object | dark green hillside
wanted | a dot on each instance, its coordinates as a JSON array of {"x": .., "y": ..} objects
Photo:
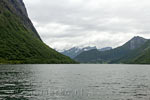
[
  {"x": 92, "y": 56},
  {"x": 19, "y": 43},
  {"x": 128, "y": 58},
  {"x": 122, "y": 54},
  {"x": 95, "y": 56},
  {"x": 17, "y": 8},
  {"x": 144, "y": 56}
]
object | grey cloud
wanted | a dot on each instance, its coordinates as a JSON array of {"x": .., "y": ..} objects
[{"x": 78, "y": 22}]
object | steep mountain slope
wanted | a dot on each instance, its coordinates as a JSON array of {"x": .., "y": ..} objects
[
  {"x": 136, "y": 45},
  {"x": 135, "y": 42},
  {"x": 17, "y": 7},
  {"x": 117, "y": 55},
  {"x": 19, "y": 41},
  {"x": 144, "y": 57}
]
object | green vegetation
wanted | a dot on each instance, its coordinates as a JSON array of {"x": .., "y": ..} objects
[
  {"x": 123, "y": 54},
  {"x": 144, "y": 56},
  {"x": 110, "y": 56},
  {"x": 18, "y": 45}
]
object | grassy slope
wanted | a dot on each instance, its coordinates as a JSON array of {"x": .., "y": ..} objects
[{"x": 18, "y": 46}]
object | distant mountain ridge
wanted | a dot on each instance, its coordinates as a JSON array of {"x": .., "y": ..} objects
[
  {"x": 123, "y": 54},
  {"x": 105, "y": 49},
  {"x": 73, "y": 52}
]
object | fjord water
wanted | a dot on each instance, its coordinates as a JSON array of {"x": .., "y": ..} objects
[{"x": 74, "y": 82}]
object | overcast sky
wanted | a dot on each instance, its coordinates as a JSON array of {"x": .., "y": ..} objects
[{"x": 63, "y": 24}]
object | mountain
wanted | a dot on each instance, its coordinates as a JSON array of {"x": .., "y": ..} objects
[
  {"x": 73, "y": 52},
  {"x": 144, "y": 58},
  {"x": 105, "y": 49},
  {"x": 122, "y": 54},
  {"x": 17, "y": 7},
  {"x": 19, "y": 40},
  {"x": 144, "y": 55},
  {"x": 135, "y": 42}
]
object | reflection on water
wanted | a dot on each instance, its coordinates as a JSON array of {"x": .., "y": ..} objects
[{"x": 74, "y": 82}]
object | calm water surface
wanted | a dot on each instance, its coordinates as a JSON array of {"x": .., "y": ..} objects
[{"x": 74, "y": 82}]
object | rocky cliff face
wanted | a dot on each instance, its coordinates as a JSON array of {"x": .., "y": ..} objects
[
  {"x": 135, "y": 42},
  {"x": 18, "y": 8}
]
